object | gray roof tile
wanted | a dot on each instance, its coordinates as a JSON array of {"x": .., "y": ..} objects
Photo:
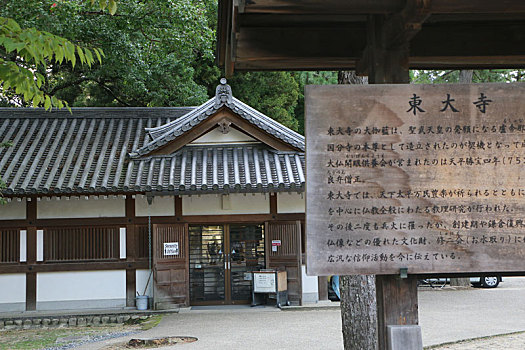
[{"x": 87, "y": 152}]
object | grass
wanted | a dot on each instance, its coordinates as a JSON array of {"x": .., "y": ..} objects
[
  {"x": 42, "y": 338},
  {"x": 28, "y": 339},
  {"x": 151, "y": 322}
]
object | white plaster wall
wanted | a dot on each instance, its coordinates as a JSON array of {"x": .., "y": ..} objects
[
  {"x": 141, "y": 280},
  {"x": 161, "y": 206},
  {"x": 310, "y": 287},
  {"x": 80, "y": 207},
  {"x": 290, "y": 203},
  {"x": 81, "y": 285},
  {"x": 13, "y": 288},
  {"x": 216, "y": 136},
  {"x": 13, "y": 210},
  {"x": 212, "y": 204}
]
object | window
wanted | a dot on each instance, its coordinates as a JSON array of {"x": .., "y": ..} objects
[
  {"x": 9, "y": 245},
  {"x": 81, "y": 244}
]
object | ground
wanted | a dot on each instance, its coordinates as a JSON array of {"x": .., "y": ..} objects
[
  {"x": 446, "y": 316},
  {"x": 67, "y": 338}
]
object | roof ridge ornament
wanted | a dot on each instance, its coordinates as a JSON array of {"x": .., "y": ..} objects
[
  {"x": 224, "y": 126},
  {"x": 223, "y": 93}
]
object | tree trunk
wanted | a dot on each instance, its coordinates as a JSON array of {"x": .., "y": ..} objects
[
  {"x": 359, "y": 312},
  {"x": 358, "y": 292},
  {"x": 465, "y": 77}
]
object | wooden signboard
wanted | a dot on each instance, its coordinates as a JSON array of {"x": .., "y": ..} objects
[{"x": 425, "y": 177}]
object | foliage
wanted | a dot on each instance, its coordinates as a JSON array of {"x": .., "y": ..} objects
[
  {"x": 24, "y": 56},
  {"x": 157, "y": 53},
  {"x": 479, "y": 76},
  {"x": 154, "y": 49},
  {"x": 273, "y": 93},
  {"x": 309, "y": 78}
]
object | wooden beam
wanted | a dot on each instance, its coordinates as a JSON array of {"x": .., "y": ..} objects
[
  {"x": 437, "y": 44},
  {"x": 240, "y": 218},
  {"x": 143, "y": 220},
  {"x": 325, "y": 6},
  {"x": 81, "y": 266},
  {"x": 279, "y": 7},
  {"x": 308, "y": 40}
]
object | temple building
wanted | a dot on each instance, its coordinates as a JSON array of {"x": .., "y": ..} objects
[{"x": 179, "y": 204}]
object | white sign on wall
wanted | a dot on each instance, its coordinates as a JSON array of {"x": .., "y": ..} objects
[{"x": 171, "y": 248}]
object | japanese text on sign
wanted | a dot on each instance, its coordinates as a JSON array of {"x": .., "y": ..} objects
[{"x": 427, "y": 177}]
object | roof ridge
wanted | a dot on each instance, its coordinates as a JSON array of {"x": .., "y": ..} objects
[
  {"x": 127, "y": 112},
  {"x": 163, "y": 134}
]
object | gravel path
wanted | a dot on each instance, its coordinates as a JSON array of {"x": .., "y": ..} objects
[
  {"x": 515, "y": 341},
  {"x": 93, "y": 339}
]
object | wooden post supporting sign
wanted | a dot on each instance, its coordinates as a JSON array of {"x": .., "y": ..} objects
[{"x": 386, "y": 60}]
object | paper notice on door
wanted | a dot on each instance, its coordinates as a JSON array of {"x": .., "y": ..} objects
[{"x": 171, "y": 248}]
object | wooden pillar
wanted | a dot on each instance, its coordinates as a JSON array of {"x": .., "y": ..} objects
[
  {"x": 322, "y": 288},
  {"x": 131, "y": 251},
  {"x": 31, "y": 255},
  {"x": 273, "y": 205},
  {"x": 178, "y": 208},
  {"x": 30, "y": 291},
  {"x": 397, "y": 302}
]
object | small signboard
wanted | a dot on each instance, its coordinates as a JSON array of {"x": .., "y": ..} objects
[
  {"x": 264, "y": 282},
  {"x": 171, "y": 248},
  {"x": 276, "y": 243},
  {"x": 425, "y": 177}
]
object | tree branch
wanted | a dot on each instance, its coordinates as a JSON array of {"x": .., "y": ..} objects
[
  {"x": 102, "y": 85},
  {"x": 147, "y": 37},
  {"x": 99, "y": 13},
  {"x": 68, "y": 84}
]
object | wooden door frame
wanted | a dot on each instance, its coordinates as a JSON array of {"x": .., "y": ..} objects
[
  {"x": 155, "y": 264},
  {"x": 227, "y": 258},
  {"x": 267, "y": 252}
]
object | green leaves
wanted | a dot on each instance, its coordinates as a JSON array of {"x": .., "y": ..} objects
[
  {"x": 31, "y": 50},
  {"x": 111, "y": 5}
]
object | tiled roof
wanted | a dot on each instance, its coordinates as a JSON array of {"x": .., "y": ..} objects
[
  {"x": 87, "y": 152},
  {"x": 170, "y": 131},
  {"x": 219, "y": 169}
]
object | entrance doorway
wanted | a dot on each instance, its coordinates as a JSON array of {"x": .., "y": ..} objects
[{"x": 221, "y": 260}]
